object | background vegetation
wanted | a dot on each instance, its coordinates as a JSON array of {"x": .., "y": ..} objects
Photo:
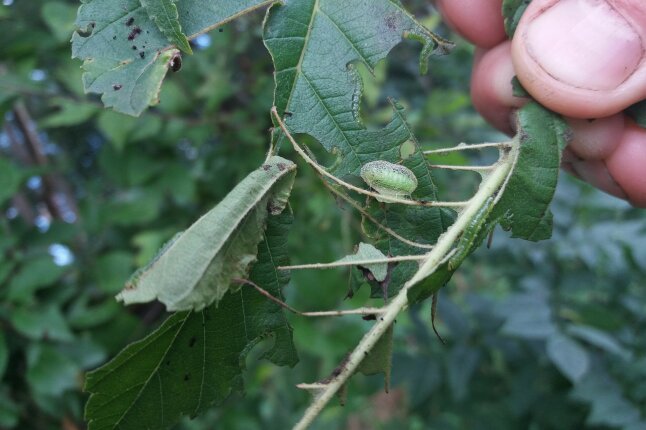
[{"x": 539, "y": 336}]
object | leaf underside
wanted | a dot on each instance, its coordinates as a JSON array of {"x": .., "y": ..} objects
[
  {"x": 368, "y": 252},
  {"x": 194, "y": 359},
  {"x": 125, "y": 54},
  {"x": 198, "y": 267}
]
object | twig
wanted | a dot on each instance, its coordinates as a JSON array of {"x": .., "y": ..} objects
[
  {"x": 357, "y": 311},
  {"x": 465, "y": 147},
  {"x": 353, "y": 263},
  {"x": 433, "y": 314},
  {"x": 381, "y": 197},
  {"x": 489, "y": 187},
  {"x": 466, "y": 168},
  {"x": 374, "y": 220}
]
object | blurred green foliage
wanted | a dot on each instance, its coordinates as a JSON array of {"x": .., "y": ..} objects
[{"x": 540, "y": 336}]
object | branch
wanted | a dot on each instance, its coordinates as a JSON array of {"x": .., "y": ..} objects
[
  {"x": 357, "y": 311},
  {"x": 353, "y": 263},
  {"x": 372, "y": 219},
  {"x": 381, "y": 197},
  {"x": 464, "y": 147},
  {"x": 490, "y": 186}
]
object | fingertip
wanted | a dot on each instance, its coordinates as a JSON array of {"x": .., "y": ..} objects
[
  {"x": 595, "y": 139},
  {"x": 581, "y": 58},
  {"x": 491, "y": 87},
  {"x": 478, "y": 21},
  {"x": 596, "y": 173},
  {"x": 627, "y": 163}
]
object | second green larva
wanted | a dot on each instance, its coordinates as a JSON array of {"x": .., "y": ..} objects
[{"x": 389, "y": 179}]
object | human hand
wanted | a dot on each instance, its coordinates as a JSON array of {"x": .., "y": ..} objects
[{"x": 584, "y": 59}]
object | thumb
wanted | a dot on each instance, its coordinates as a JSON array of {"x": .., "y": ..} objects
[{"x": 582, "y": 58}]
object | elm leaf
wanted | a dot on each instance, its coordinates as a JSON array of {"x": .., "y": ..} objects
[
  {"x": 314, "y": 46},
  {"x": 195, "y": 358},
  {"x": 197, "y": 268},
  {"x": 125, "y": 54}
]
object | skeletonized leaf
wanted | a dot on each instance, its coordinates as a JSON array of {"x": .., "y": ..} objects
[
  {"x": 164, "y": 14},
  {"x": 369, "y": 252},
  {"x": 193, "y": 360},
  {"x": 198, "y": 266},
  {"x": 126, "y": 56},
  {"x": 314, "y": 46}
]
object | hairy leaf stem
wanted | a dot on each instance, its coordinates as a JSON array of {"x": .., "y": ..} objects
[
  {"x": 381, "y": 197},
  {"x": 492, "y": 185}
]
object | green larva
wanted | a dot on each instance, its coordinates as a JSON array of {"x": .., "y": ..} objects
[{"x": 389, "y": 179}]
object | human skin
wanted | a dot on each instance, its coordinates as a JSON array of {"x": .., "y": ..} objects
[{"x": 585, "y": 59}]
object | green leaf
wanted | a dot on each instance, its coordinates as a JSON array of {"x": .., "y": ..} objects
[
  {"x": 34, "y": 274},
  {"x": 194, "y": 359},
  {"x": 199, "y": 265},
  {"x": 41, "y": 323},
  {"x": 10, "y": 179},
  {"x": 568, "y": 356},
  {"x": 524, "y": 206},
  {"x": 512, "y": 11},
  {"x": 638, "y": 113},
  {"x": 134, "y": 207},
  {"x": 70, "y": 113},
  {"x": 49, "y": 372},
  {"x": 316, "y": 82},
  {"x": 314, "y": 44},
  {"x": 112, "y": 270},
  {"x": 369, "y": 252},
  {"x": 129, "y": 78},
  {"x": 609, "y": 407},
  {"x": 4, "y": 354},
  {"x": 463, "y": 363},
  {"x": 477, "y": 229},
  {"x": 9, "y": 410},
  {"x": 116, "y": 128},
  {"x": 380, "y": 358},
  {"x": 599, "y": 338},
  {"x": 59, "y": 17},
  {"x": 164, "y": 14},
  {"x": 528, "y": 316}
]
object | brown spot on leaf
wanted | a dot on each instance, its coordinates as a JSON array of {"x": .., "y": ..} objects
[
  {"x": 175, "y": 62},
  {"x": 187, "y": 376},
  {"x": 281, "y": 166},
  {"x": 191, "y": 342},
  {"x": 266, "y": 167},
  {"x": 134, "y": 33},
  {"x": 117, "y": 87},
  {"x": 142, "y": 54},
  {"x": 130, "y": 21},
  {"x": 391, "y": 22}
]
